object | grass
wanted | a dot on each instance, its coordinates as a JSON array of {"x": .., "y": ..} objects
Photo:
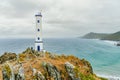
[
  {"x": 82, "y": 68},
  {"x": 7, "y": 69},
  {"x": 86, "y": 77}
]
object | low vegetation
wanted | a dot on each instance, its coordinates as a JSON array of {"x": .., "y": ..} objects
[{"x": 32, "y": 59}]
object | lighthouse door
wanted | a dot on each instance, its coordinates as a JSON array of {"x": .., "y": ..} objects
[{"x": 38, "y": 48}]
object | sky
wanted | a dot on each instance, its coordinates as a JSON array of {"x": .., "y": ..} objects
[{"x": 61, "y": 18}]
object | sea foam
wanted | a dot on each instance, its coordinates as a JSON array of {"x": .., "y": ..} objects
[
  {"x": 111, "y": 42},
  {"x": 109, "y": 77}
]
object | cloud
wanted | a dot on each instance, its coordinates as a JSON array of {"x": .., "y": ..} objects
[{"x": 66, "y": 18}]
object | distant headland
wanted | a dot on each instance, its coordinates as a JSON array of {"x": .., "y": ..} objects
[{"x": 103, "y": 36}]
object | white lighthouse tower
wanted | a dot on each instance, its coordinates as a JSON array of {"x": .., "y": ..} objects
[{"x": 38, "y": 38}]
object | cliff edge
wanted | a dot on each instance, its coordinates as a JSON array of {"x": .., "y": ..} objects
[{"x": 32, "y": 65}]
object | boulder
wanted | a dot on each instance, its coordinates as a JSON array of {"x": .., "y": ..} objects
[
  {"x": 40, "y": 76},
  {"x": 52, "y": 56},
  {"x": 5, "y": 75},
  {"x": 37, "y": 75},
  {"x": 70, "y": 70},
  {"x": 52, "y": 71},
  {"x": 20, "y": 75},
  {"x": 9, "y": 73},
  {"x": 7, "y": 56}
]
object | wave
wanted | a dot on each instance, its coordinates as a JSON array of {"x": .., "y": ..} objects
[
  {"x": 111, "y": 42},
  {"x": 109, "y": 77}
]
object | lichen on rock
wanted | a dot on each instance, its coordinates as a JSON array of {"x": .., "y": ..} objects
[
  {"x": 52, "y": 71},
  {"x": 70, "y": 70},
  {"x": 7, "y": 57}
]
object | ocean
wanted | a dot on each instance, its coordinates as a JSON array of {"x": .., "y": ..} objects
[{"x": 104, "y": 56}]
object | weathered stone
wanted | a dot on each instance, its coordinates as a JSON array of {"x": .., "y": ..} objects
[
  {"x": 37, "y": 75},
  {"x": 52, "y": 71},
  {"x": 7, "y": 72},
  {"x": 34, "y": 71},
  {"x": 10, "y": 74},
  {"x": 40, "y": 76},
  {"x": 21, "y": 73},
  {"x": 52, "y": 56},
  {"x": 7, "y": 56},
  {"x": 5, "y": 76},
  {"x": 70, "y": 70}
]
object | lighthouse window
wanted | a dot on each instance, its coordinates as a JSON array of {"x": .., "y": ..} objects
[
  {"x": 38, "y": 38},
  {"x": 38, "y": 29},
  {"x": 38, "y": 21}
]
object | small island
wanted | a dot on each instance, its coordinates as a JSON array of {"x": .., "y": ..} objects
[{"x": 34, "y": 65}]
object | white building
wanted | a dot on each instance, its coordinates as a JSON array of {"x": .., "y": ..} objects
[{"x": 38, "y": 38}]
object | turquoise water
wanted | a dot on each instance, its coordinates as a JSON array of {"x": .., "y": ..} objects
[{"x": 103, "y": 56}]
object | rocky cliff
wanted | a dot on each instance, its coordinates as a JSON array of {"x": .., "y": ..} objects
[{"x": 32, "y": 65}]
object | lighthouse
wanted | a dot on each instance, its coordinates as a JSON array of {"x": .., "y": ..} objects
[{"x": 38, "y": 32}]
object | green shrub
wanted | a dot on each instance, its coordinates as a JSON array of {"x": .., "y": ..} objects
[
  {"x": 103, "y": 78},
  {"x": 87, "y": 77}
]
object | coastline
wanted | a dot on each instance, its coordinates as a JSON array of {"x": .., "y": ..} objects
[
  {"x": 109, "y": 77},
  {"x": 93, "y": 44},
  {"x": 107, "y": 41},
  {"x": 46, "y": 64}
]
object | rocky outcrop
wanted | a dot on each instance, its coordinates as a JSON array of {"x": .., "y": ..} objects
[
  {"x": 70, "y": 70},
  {"x": 32, "y": 51},
  {"x": 52, "y": 71},
  {"x": 30, "y": 65},
  {"x": 6, "y": 75},
  {"x": 20, "y": 74},
  {"x": 37, "y": 75},
  {"x": 7, "y": 72},
  {"x": 7, "y": 56},
  {"x": 10, "y": 74}
]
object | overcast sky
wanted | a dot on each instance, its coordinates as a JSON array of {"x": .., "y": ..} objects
[{"x": 61, "y": 18}]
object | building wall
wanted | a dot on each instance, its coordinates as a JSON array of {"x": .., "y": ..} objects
[{"x": 38, "y": 38}]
